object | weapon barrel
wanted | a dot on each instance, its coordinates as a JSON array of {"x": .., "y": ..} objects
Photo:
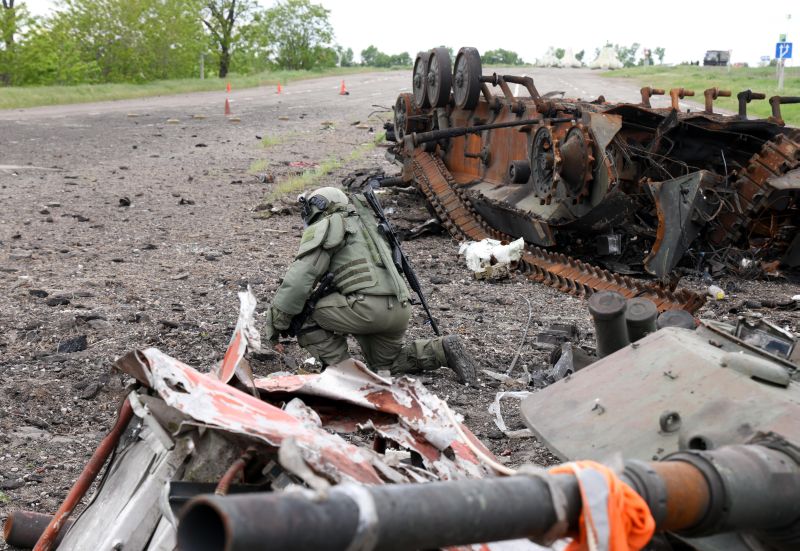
[{"x": 749, "y": 488}]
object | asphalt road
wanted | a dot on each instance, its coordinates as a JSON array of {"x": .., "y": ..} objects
[{"x": 365, "y": 89}]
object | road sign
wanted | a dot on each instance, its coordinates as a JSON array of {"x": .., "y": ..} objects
[{"x": 783, "y": 50}]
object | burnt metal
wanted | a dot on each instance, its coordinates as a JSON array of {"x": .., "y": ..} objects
[
  {"x": 608, "y": 311},
  {"x": 640, "y": 318},
  {"x": 87, "y": 476},
  {"x": 754, "y": 488},
  {"x": 440, "y": 77},
  {"x": 24, "y": 528},
  {"x": 467, "y": 72},
  {"x": 702, "y": 375},
  {"x": 236, "y": 469},
  {"x": 648, "y": 92},
  {"x": 677, "y": 94},
  {"x": 675, "y": 318},
  {"x": 682, "y": 213},
  {"x": 751, "y": 488},
  {"x": 555, "y": 270},
  {"x": 745, "y": 97},
  {"x": 711, "y": 94},
  {"x": 775, "y": 103},
  {"x": 436, "y": 135},
  {"x": 682, "y": 189},
  {"x": 419, "y": 81},
  {"x": 442, "y": 514},
  {"x": 519, "y": 171}
]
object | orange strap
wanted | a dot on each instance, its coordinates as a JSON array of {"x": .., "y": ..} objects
[{"x": 630, "y": 523}]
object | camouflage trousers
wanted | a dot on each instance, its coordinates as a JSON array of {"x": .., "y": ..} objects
[{"x": 379, "y": 325}]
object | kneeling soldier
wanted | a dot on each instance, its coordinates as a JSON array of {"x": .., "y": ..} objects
[{"x": 369, "y": 298}]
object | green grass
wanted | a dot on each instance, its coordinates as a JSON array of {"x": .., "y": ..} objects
[
  {"x": 269, "y": 141},
  {"x": 259, "y": 165},
  {"x": 311, "y": 178},
  {"x": 4, "y": 499},
  {"x": 32, "y": 96},
  {"x": 697, "y": 78}
]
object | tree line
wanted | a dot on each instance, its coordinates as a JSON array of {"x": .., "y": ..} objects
[
  {"x": 93, "y": 41},
  {"x": 99, "y": 41}
]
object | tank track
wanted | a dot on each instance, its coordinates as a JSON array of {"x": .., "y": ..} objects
[
  {"x": 776, "y": 157},
  {"x": 555, "y": 270}
]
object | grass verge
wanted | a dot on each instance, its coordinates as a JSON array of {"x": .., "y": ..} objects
[
  {"x": 33, "y": 96},
  {"x": 757, "y": 79},
  {"x": 310, "y": 178}
]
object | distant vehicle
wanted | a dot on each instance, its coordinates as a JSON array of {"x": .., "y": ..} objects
[{"x": 717, "y": 57}]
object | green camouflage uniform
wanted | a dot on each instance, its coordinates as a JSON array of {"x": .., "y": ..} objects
[{"x": 371, "y": 299}]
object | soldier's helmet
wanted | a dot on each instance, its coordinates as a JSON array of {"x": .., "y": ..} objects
[{"x": 315, "y": 203}]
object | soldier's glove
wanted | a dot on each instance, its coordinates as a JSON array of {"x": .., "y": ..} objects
[
  {"x": 280, "y": 321},
  {"x": 270, "y": 332}
]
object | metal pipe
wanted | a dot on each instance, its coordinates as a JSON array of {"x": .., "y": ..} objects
[
  {"x": 775, "y": 103},
  {"x": 23, "y": 528},
  {"x": 647, "y": 92},
  {"x": 748, "y": 488},
  {"x": 745, "y": 97},
  {"x": 224, "y": 484},
  {"x": 751, "y": 489},
  {"x": 418, "y": 138},
  {"x": 84, "y": 481},
  {"x": 676, "y": 94},
  {"x": 711, "y": 94},
  {"x": 441, "y": 513}
]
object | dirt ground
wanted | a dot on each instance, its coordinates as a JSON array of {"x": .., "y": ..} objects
[{"x": 140, "y": 233}]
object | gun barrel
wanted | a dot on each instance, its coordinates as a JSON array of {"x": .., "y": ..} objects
[{"x": 750, "y": 488}]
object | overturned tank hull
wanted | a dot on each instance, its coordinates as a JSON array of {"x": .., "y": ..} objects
[{"x": 634, "y": 188}]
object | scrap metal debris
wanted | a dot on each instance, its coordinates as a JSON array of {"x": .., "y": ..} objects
[{"x": 198, "y": 431}]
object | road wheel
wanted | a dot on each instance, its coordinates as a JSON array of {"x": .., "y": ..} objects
[
  {"x": 419, "y": 84},
  {"x": 440, "y": 77},
  {"x": 467, "y": 73}
]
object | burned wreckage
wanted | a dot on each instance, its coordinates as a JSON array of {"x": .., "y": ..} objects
[
  {"x": 634, "y": 188},
  {"x": 348, "y": 459}
]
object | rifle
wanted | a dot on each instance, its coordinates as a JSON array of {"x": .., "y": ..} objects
[
  {"x": 399, "y": 258},
  {"x": 325, "y": 287}
]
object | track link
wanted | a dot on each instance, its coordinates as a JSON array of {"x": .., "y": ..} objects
[
  {"x": 755, "y": 194},
  {"x": 556, "y": 270}
]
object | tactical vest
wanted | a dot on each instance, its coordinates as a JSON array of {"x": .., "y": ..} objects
[{"x": 357, "y": 265}]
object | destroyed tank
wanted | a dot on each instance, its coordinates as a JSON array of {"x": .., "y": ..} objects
[{"x": 632, "y": 187}]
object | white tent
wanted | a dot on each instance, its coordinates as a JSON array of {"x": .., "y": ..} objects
[
  {"x": 606, "y": 59},
  {"x": 569, "y": 59},
  {"x": 548, "y": 60}
]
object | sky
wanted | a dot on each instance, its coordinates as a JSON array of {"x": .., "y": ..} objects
[{"x": 685, "y": 29}]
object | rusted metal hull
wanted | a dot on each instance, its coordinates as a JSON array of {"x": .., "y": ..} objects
[
  {"x": 556, "y": 270},
  {"x": 560, "y": 173}
]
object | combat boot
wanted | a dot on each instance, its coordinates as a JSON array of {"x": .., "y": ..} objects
[{"x": 458, "y": 359}]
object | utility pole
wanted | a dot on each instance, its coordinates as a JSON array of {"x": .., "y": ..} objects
[
  {"x": 202, "y": 65},
  {"x": 782, "y": 58}
]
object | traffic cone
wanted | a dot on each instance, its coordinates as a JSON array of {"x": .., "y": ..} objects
[
  {"x": 343, "y": 91},
  {"x": 228, "y": 88},
  {"x": 227, "y": 107},
  {"x": 279, "y": 88}
]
